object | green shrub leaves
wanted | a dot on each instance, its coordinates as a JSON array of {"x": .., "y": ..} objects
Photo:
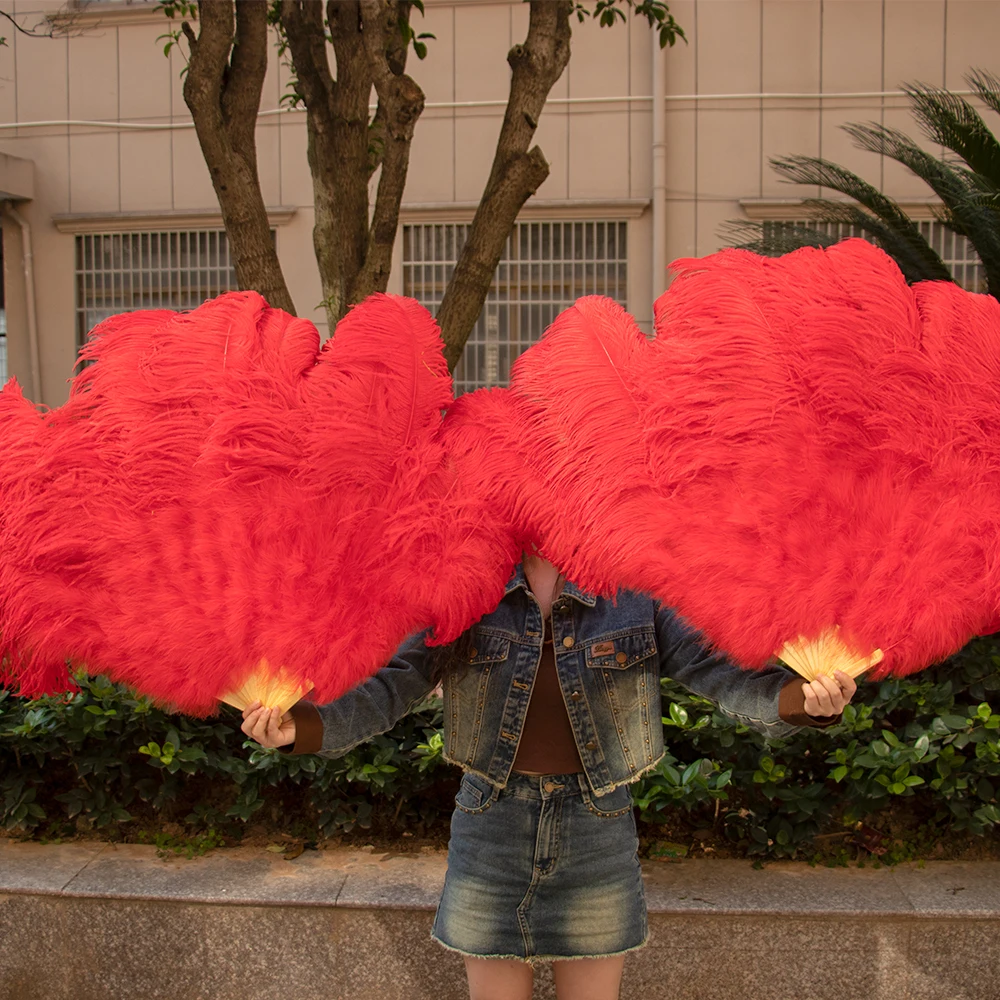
[
  {"x": 932, "y": 738},
  {"x": 102, "y": 757}
]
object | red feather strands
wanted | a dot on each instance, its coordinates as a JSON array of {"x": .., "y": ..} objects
[
  {"x": 807, "y": 444},
  {"x": 220, "y": 496}
]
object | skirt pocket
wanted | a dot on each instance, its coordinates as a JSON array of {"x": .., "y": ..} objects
[
  {"x": 617, "y": 802},
  {"x": 475, "y": 794}
]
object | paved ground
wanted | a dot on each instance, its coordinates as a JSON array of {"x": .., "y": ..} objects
[{"x": 100, "y": 921}]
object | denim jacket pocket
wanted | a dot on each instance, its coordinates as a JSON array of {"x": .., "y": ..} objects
[
  {"x": 475, "y": 794},
  {"x": 619, "y": 651},
  {"x": 617, "y": 802},
  {"x": 488, "y": 648}
]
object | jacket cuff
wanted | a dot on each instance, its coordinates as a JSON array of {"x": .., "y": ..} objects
[
  {"x": 308, "y": 729},
  {"x": 792, "y": 707}
]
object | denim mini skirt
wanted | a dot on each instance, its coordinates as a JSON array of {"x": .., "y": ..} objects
[{"x": 541, "y": 870}]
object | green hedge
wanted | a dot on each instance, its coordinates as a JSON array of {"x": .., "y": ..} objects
[{"x": 926, "y": 747}]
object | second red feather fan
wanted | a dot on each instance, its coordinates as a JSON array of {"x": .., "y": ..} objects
[{"x": 808, "y": 453}]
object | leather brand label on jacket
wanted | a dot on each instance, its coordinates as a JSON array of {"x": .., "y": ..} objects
[{"x": 602, "y": 649}]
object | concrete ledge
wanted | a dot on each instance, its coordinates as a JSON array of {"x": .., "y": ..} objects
[
  {"x": 17, "y": 178},
  {"x": 100, "y": 922}
]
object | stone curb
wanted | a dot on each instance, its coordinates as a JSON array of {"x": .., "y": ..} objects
[{"x": 107, "y": 921}]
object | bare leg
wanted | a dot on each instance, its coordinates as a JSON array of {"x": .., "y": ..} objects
[
  {"x": 589, "y": 978},
  {"x": 499, "y": 979}
]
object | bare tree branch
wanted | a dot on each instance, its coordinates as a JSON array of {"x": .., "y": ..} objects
[
  {"x": 401, "y": 102},
  {"x": 222, "y": 89},
  {"x": 302, "y": 22},
  {"x": 517, "y": 171},
  {"x": 245, "y": 79},
  {"x": 56, "y": 25},
  {"x": 337, "y": 128},
  {"x": 376, "y": 140}
]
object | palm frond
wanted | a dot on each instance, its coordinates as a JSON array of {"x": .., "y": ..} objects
[
  {"x": 965, "y": 212},
  {"x": 773, "y": 239},
  {"x": 824, "y": 173},
  {"x": 946, "y": 181},
  {"x": 987, "y": 87},
  {"x": 914, "y": 256},
  {"x": 951, "y": 121},
  {"x": 878, "y": 215}
]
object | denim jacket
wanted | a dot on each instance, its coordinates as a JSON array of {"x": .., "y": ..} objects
[{"x": 609, "y": 655}]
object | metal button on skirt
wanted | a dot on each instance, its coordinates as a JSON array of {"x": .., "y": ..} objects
[{"x": 542, "y": 869}]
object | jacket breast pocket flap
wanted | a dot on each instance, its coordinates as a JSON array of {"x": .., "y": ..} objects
[
  {"x": 488, "y": 648},
  {"x": 619, "y": 652}
]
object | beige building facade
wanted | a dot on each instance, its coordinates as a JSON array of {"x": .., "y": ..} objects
[{"x": 108, "y": 204}]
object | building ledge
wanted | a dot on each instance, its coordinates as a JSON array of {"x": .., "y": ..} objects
[
  {"x": 553, "y": 209},
  {"x": 163, "y": 221},
  {"x": 794, "y": 209},
  {"x": 90, "y": 14},
  {"x": 17, "y": 178}
]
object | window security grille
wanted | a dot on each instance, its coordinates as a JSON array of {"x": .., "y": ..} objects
[
  {"x": 955, "y": 251},
  {"x": 545, "y": 268},
  {"x": 120, "y": 272}
]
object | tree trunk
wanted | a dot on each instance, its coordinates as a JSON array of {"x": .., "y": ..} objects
[
  {"x": 222, "y": 90},
  {"x": 353, "y": 254},
  {"x": 337, "y": 126},
  {"x": 517, "y": 172},
  {"x": 400, "y": 104}
]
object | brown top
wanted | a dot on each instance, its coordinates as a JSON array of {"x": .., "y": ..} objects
[{"x": 547, "y": 745}]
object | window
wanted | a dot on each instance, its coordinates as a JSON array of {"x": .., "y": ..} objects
[
  {"x": 546, "y": 267},
  {"x": 955, "y": 251},
  {"x": 120, "y": 272}
]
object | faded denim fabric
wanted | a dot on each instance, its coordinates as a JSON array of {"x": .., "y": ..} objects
[
  {"x": 610, "y": 656},
  {"x": 541, "y": 869}
]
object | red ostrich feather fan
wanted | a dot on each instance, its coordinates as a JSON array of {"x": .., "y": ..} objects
[
  {"x": 221, "y": 503},
  {"x": 808, "y": 453},
  {"x": 804, "y": 460}
]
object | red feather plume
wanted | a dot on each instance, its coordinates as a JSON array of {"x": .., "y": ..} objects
[
  {"x": 808, "y": 443},
  {"x": 218, "y": 492}
]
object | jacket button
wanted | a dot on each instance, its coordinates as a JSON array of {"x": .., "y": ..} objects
[
  {"x": 473, "y": 653},
  {"x": 568, "y": 641},
  {"x": 591, "y": 745},
  {"x": 576, "y": 696},
  {"x": 621, "y": 657}
]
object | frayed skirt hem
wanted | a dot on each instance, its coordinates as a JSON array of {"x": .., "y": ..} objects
[{"x": 532, "y": 959}]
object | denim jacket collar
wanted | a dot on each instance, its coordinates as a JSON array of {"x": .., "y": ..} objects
[{"x": 569, "y": 589}]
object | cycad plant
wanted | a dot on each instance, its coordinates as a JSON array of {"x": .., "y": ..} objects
[{"x": 966, "y": 179}]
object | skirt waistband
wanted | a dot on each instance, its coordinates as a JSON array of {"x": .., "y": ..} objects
[{"x": 545, "y": 786}]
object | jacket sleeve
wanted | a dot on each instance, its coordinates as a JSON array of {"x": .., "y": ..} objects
[
  {"x": 770, "y": 700},
  {"x": 373, "y": 707}
]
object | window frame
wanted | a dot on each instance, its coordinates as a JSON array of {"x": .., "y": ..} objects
[
  {"x": 126, "y": 281},
  {"x": 531, "y": 285}
]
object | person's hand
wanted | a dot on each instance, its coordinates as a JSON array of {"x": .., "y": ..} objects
[
  {"x": 267, "y": 726},
  {"x": 828, "y": 695}
]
